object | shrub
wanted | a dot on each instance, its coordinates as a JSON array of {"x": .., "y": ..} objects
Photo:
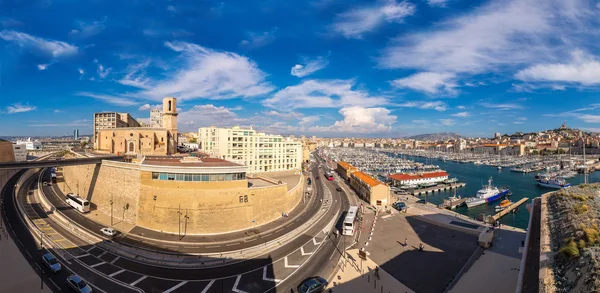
[
  {"x": 570, "y": 249},
  {"x": 581, "y": 244},
  {"x": 580, "y": 208},
  {"x": 591, "y": 235}
]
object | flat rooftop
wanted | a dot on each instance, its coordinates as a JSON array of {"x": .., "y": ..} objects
[
  {"x": 289, "y": 177},
  {"x": 188, "y": 162}
]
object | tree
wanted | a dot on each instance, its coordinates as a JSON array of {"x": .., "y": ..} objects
[{"x": 193, "y": 140}]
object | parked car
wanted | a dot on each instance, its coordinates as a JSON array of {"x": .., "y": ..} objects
[
  {"x": 399, "y": 206},
  {"x": 312, "y": 285},
  {"x": 339, "y": 189},
  {"x": 51, "y": 262},
  {"x": 78, "y": 284},
  {"x": 110, "y": 232},
  {"x": 421, "y": 201}
]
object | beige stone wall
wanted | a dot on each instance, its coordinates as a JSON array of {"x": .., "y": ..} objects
[
  {"x": 196, "y": 207},
  {"x": 101, "y": 183},
  {"x": 6, "y": 151},
  {"x": 150, "y": 141}
]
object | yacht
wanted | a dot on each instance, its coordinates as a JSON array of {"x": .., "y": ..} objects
[
  {"x": 488, "y": 193},
  {"x": 553, "y": 182},
  {"x": 450, "y": 180}
]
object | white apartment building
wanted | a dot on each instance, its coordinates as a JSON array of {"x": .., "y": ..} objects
[
  {"x": 30, "y": 145},
  {"x": 260, "y": 152},
  {"x": 20, "y": 151}
]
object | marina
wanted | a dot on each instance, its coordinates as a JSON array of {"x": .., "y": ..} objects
[{"x": 437, "y": 188}]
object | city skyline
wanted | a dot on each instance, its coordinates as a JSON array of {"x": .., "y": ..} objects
[{"x": 326, "y": 68}]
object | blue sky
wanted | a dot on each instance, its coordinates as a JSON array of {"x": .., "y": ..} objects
[{"x": 336, "y": 68}]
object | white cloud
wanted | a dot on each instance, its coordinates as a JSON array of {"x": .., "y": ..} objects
[
  {"x": 81, "y": 71},
  {"x": 435, "y": 105},
  {"x": 201, "y": 73},
  {"x": 461, "y": 107},
  {"x": 43, "y": 66},
  {"x": 518, "y": 122},
  {"x": 557, "y": 87},
  {"x": 461, "y": 114},
  {"x": 19, "y": 108},
  {"x": 429, "y": 83},
  {"x": 583, "y": 69},
  {"x": 438, "y": 3},
  {"x": 58, "y": 111},
  {"x": 322, "y": 94},
  {"x": 309, "y": 67},
  {"x": 447, "y": 122},
  {"x": 86, "y": 30},
  {"x": 497, "y": 35},
  {"x": 356, "y": 22},
  {"x": 502, "y": 106},
  {"x": 308, "y": 120},
  {"x": 147, "y": 107},
  {"x": 283, "y": 115},
  {"x": 359, "y": 119},
  {"x": 118, "y": 101},
  {"x": 257, "y": 40},
  {"x": 208, "y": 115},
  {"x": 103, "y": 72},
  {"x": 590, "y": 118},
  {"x": 521, "y": 118},
  {"x": 45, "y": 46}
]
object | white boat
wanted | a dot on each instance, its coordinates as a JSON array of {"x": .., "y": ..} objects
[
  {"x": 499, "y": 168},
  {"x": 450, "y": 180},
  {"x": 556, "y": 183},
  {"x": 488, "y": 193}
]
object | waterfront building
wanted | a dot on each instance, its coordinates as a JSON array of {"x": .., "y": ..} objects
[
  {"x": 260, "y": 152},
  {"x": 420, "y": 178},
  {"x": 142, "y": 140},
  {"x": 344, "y": 170},
  {"x": 20, "y": 152},
  {"x": 110, "y": 120},
  {"x": 30, "y": 145},
  {"x": 369, "y": 189}
]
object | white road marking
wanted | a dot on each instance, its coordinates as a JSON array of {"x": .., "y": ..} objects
[
  {"x": 315, "y": 241},
  {"x": 213, "y": 246},
  {"x": 237, "y": 281},
  {"x": 304, "y": 253},
  {"x": 102, "y": 254},
  {"x": 59, "y": 289},
  {"x": 115, "y": 260},
  {"x": 28, "y": 254},
  {"x": 98, "y": 264},
  {"x": 138, "y": 280},
  {"x": 232, "y": 244},
  {"x": 269, "y": 279},
  {"x": 288, "y": 265},
  {"x": 208, "y": 286},
  {"x": 175, "y": 287},
  {"x": 88, "y": 250},
  {"x": 116, "y": 273},
  {"x": 83, "y": 255}
]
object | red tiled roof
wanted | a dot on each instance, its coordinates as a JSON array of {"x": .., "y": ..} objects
[
  {"x": 418, "y": 176},
  {"x": 366, "y": 179}
]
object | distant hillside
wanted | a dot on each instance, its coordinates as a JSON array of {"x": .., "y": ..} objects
[{"x": 436, "y": 136}]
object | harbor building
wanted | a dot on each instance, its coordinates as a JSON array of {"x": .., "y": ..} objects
[
  {"x": 420, "y": 178},
  {"x": 344, "y": 170},
  {"x": 165, "y": 193},
  {"x": 259, "y": 151},
  {"x": 142, "y": 140},
  {"x": 111, "y": 120},
  {"x": 370, "y": 190}
]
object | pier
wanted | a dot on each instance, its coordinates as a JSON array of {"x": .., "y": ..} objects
[
  {"x": 511, "y": 207},
  {"x": 440, "y": 187}
]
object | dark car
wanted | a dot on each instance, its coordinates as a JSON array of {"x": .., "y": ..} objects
[
  {"x": 421, "y": 201},
  {"x": 312, "y": 285},
  {"x": 399, "y": 206},
  {"x": 339, "y": 189}
]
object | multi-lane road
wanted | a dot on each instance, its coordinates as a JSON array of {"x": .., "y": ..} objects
[{"x": 310, "y": 254}]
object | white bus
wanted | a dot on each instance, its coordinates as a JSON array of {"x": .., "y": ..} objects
[
  {"x": 350, "y": 224},
  {"x": 80, "y": 204}
]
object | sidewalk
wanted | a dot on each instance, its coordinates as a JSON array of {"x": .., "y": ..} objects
[
  {"x": 16, "y": 275},
  {"x": 348, "y": 278}
]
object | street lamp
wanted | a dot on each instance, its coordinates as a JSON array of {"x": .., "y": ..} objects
[
  {"x": 111, "y": 212},
  {"x": 179, "y": 212}
]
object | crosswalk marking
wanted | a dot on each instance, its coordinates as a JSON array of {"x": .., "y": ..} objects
[
  {"x": 115, "y": 260},
  {"x": 98, "y": 264},
  {"x": 138, "y": 280},
  {"x": 175, "y": 287},
  {"x": 208, "y": 286},
  {"x": 83, "y": 255}
]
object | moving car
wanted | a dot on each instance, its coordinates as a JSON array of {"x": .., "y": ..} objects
[
  {"x": 51, "y": 262},
  {"x": 78, "y": 284},
  {"x": 312, "y": 285},
  {"x": 110, "y": 232},
  {"x": 339, "y": 189}
]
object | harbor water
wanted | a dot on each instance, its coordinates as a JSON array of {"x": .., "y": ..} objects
[{"x": 520, "y": 184}]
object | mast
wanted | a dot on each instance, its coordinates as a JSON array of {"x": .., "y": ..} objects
[{"x": 584, "y": 165}]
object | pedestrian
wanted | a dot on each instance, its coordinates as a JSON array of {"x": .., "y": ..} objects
[
  {"x": 377, "y": 272},
  {"x": 421, "y": 247},
  {"x": 405, "y": 242}
]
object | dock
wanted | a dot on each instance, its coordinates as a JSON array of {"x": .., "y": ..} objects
[
  {"x": 440, "y": 187},
  {"x": 511, "y": 207}
]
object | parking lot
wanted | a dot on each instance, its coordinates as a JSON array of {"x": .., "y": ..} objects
[{"x": 446, "y": 251}]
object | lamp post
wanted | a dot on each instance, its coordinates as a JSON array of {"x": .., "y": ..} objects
[
  {"x": 185, "y": 225},
  {"x": 179, "y": 212},
  {"x": 111, "y": 212}
]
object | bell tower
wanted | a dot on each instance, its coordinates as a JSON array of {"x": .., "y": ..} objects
[{"x": 169, "y": 122}]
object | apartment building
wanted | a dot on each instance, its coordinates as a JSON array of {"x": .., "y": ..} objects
[
  {"x": 259, "y": 151},
  {"x": 107, "y": 120}
]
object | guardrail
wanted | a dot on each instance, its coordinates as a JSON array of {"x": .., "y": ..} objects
[
  {"x": 34, "y": 230},
  {"x": 188, "y": 260}
]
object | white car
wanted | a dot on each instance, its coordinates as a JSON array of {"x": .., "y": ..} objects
[{"x": 110, "y": 232}]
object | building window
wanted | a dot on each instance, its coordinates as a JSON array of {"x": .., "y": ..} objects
[{"x": 241, "y": 199}]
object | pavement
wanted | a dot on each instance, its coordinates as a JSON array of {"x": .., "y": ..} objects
[{"x": 356, "y": 275}]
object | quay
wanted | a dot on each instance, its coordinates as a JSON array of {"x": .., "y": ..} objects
[
  {"x": 439, "y": 187},
  {"x": 511, "y": 207}
]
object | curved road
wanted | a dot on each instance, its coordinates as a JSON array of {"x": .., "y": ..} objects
[{"x": 256, "y": 275}]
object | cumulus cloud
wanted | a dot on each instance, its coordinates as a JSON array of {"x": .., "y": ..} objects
[
  {"x": 429, "y": 83},
  {"x": 359, "y": 119},
  {"x": 43, "y": 66},
  {"x": 322, "y": 94},
  {"x": 309, "y": 67},
  {"x": 199, "y": 72},
  {"x": 356, "y": 22},
  {"x": 19, "y": 108},
  {"x": 582, "y": 69},
  {"x": 147, "y": 107},
  {"x": 45, "y": 46}
]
